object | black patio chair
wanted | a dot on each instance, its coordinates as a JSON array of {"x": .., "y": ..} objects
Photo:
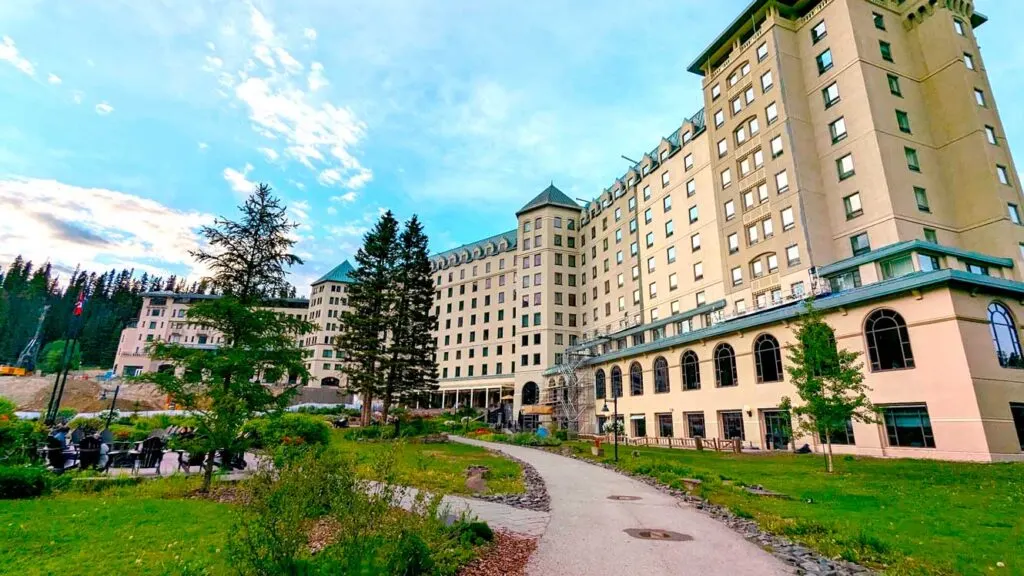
[
  {"x": 90, "y": 453},
  {"x": 186, "y": 460},
  {"x": 57, "y": 455},
  {"x": 149, "y": 455}
]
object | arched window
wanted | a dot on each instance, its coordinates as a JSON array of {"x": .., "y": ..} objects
[
  {"x": 599, "y": 388},
  {"x": 691, "y": 371},
  {"x": 616, "y": 382},
  {"x": 725, "y": 366},
  {"x": 660, "y": 375},
  {"x": 888, "y": 341},
  {"x": 531, "y": 393},
  {"x": 636, "y": 379},
  {"x": 768, "y": 359},
  {"x": 1004, "y": 336}
]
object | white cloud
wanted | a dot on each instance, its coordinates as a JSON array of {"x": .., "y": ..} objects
[
  {"x": 281, "y": 104},
  {"x": 53, "y": 79},
  {"x": 9, "y": 53},
  {"x": 77, "y": 96},
  {"x": 310, "y": 34},
  {"x": 203, "y": 145},
  {"x": 238, "y": 180},
  {"x": 269, "y": 153},
  {"x": 211, "y": 46},
  {"x": 103, "y": 108},
  {"x": 316, "y": 77},
  {"x": 346, "y": 197},
  {"x": 213, "y": 64},
  {"x": 95, "y": 227},
  {"x": 332, "y": 211}
]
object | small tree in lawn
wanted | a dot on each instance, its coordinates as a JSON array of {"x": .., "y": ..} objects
[
  {"x": 363, "y": 344},
  {"x": 828, "y": 381},
  {"x": 221, "y": 385}
]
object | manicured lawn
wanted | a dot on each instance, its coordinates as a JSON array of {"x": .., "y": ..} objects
[
  {"x": 435, "y": 467},
  {"x": 913, "y": 516},
  {"x": 129, "y": 530}
]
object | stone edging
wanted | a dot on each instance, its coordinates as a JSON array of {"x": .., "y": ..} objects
[
  {"x": 536, "y": 496},
  {"x": 805, "y": 560}
]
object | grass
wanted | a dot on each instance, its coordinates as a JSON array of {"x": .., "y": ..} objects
[
  {"x": 908, "y": 516},
  {"x": 143, "y": 529},
  {"x": 437, "y": 468}
]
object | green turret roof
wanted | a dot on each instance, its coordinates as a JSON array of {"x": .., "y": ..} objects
[
  {"x": 340, "y": 273},
  {"x": 551, "y": 196}
]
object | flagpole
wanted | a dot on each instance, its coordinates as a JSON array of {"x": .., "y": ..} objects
[
  {"x": 70, "y": 341},
  {"x": 51, "y": 412}
]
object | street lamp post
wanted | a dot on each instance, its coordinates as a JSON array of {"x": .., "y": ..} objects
[{"x": 615, "y": 421}]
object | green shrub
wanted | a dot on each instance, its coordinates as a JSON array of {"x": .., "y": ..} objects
[
  {"x": 19, "y": 439},
  {"x": 411, "y": 556},
  {"x": 7, "y": 407},
  {"x": 474, "y": 533},
  {"x": 562, "y": 435},
  {"x": 531, "y": 439},
  {"x": 288, "y": 429},
  {"x": 66, "y": 414},
  {"x": 24, "y": 482},
  {"x": 88, "y": 424}
]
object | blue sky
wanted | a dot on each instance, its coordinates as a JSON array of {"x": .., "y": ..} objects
[{"x": 126, "y": 124}]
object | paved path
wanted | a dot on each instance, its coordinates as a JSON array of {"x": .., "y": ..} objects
[{"x": 585, "y": 535}]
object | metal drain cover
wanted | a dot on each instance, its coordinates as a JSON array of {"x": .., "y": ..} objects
[
  {"x": 655, "y": 534},
  {"x": 624, "y": 498}
]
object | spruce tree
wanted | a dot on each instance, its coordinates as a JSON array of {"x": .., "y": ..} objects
[
  {"x": 222, "y": 386},
  {"x": 364, "y": 338},
  {"x": 412, "y": 356}
]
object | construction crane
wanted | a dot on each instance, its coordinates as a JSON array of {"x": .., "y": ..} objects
[{"x": 27, "y": 359}]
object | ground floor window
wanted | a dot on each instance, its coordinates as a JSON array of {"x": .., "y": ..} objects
[
  {"x": 844, "y": 436},
  {"x": 777, "y": 429},
  {"x": 1017, "y": 410},
  {"x": 908, "y": 426},
  {"x": 639, "y": 426},
  {"x": 601, "y": 421},
  {"x": 665, "y": 425},
  {"x": 732, "y": 425},
  {"x": 695, "y": 424}
]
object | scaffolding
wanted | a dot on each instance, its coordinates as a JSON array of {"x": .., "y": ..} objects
[{"x": 570, "y": 392}]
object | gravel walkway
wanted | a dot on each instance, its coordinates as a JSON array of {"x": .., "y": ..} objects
[{"x": 587, "y": 534}]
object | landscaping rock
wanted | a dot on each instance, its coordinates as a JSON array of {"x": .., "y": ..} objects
[
  {"x": 506, "y": 556},
  {"x": 435, "y": 438},
  {"x": 475, "y": 479},
  {"x": 536, "y": 495}
]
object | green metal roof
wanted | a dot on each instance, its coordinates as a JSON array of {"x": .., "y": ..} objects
[
  {"x": 903, "y": 284},
  {"x": 509, "y": 237},
  {"x": 340, "y": 273},
  {"x": 551, "y": 196},
  {"x": 911, "y": 246}
]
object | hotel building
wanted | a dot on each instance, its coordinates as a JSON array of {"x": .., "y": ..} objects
[{"x": 849, "y": 149}]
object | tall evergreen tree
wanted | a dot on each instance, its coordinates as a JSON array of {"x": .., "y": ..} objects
[
  {"x": 412, "y": 348},
  {"x": 363, "y": 342},
  {"x": 222, "y": 386}
]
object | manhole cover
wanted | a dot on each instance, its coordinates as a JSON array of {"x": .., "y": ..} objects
[
  {"x": 655, "y": 534},
  {"x": 624, "y": 498}
]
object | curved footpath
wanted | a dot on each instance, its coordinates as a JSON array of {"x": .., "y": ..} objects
[{"x": 586, "y": 532}]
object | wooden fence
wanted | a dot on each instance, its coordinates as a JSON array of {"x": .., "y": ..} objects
[{"x": 716, "y": 444}]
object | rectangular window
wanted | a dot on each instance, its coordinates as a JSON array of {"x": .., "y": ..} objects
[
  {"x": 716, "y": 91},
  {"x": 793, "y": 255},
  {"x": 830, "y": 94},
  {"x": 930, "y": 236},
  {"x": 824, "y": 61},
  {"x": 912, "y": 162},
  {"x": 664, "y": 424},
  {"x": 886, "y": 49},
  {"x": 860, "y": 244},
  {"x": 730, "y": 210},
  {"x": 958, "y": 26},
  {"x": 1014, "y": 213},
  {"x": 903, "y": 121},
  {"x": 670, "y": 256},
  {"x": 787, "y": 218},
  {"x": 852, "y": 205},
  {"x": 719, "y": 118},
  {"x": 669, "y": 229},
  {"x": 818, "y": 32},
  {"x": 781, "y": 182},
  {"x": 723, "y": 147},
  {"x": 1003, "y": 175},
  {"x": 968, "y": 61},
  {"x": 734, "y": 243},
  {"x": 879, "y": 20},
  {"x": 687, "y": 163},
  {"x": 844, "y": 166},
  {"x": 666, "y": 203},
  {"x": 698, "y": 271},
  {"x": 737, "y": 276},
  {"x": 695, "y": 421},
  {"x": 726, "y": 178},
  {"x": 776, "y": 146},
  {"x": 691, "y": 187},
  {"x": 922, "y": 199},
  {"x": 979, "y": 97},
  {"x": 732, "y": 425},
  {"x": 990, "y": 135},
  {"x": 896, "y": 267},
  {"x": 766, "y": 82},
  {"x": 894, "y": 85},
  {"x": 908, "y": 426},
  {"x": 693, "y": 214},
  {"x": 771, "y": 112},
  {"x": 1017, "y": 413},
  {"x": 762, "y": 51},
  {"x": 837, "y": 129}
]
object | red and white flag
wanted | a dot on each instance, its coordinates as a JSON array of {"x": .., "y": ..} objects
[{"x": 80, "y": 303}]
